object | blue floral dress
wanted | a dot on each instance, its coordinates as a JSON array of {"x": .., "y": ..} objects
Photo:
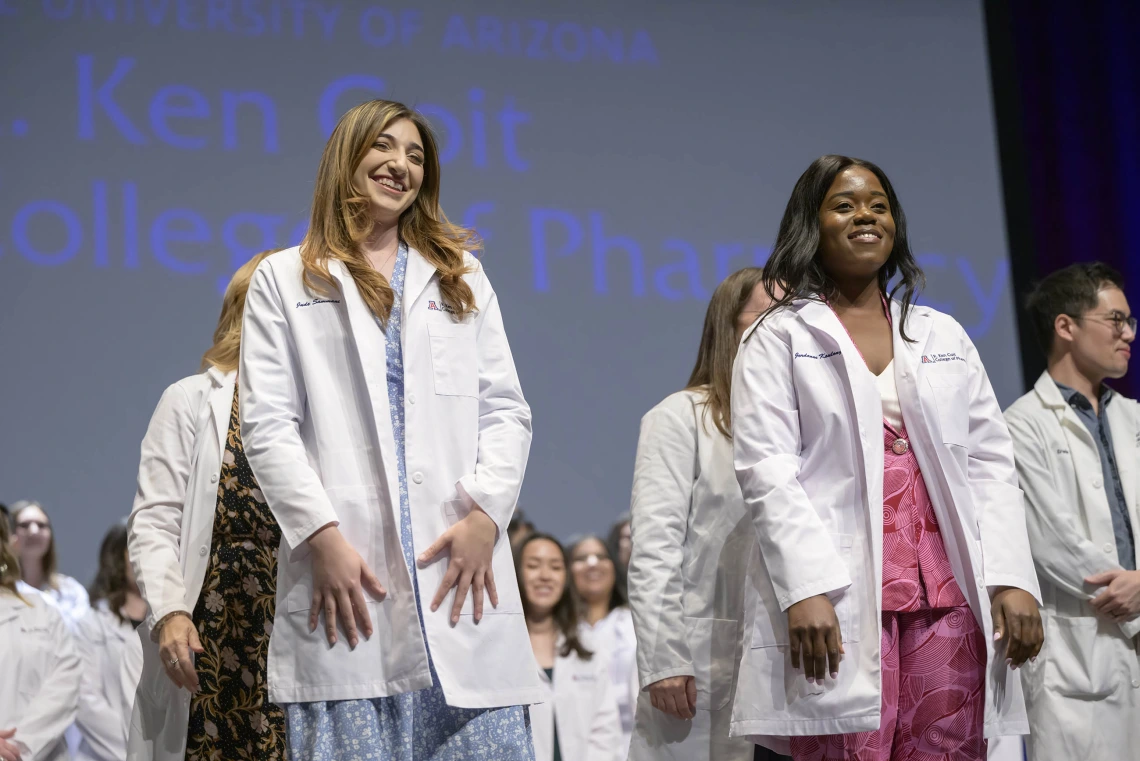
[{"x": 413, "y": 726}]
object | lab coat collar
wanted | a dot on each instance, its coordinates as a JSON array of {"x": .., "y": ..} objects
[
  {"x": 221, "y": 400},
  {"x": 11, "y": 606},
  {"x": 416, "y": 278},
  {"x": 1051, "y": 398}
]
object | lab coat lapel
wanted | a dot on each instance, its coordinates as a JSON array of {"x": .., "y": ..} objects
[
  {"x": 416, "y": 278},
  {"x": 1124, "y": 445},
  {"x": 221, "y": 401},
  {"x": 864, "y": 397}
]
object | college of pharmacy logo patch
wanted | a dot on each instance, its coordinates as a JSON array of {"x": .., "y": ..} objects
[{"x": 439, "y": 306}]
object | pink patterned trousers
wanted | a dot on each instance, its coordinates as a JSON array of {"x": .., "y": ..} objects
[{"x": 933, "y": 651}]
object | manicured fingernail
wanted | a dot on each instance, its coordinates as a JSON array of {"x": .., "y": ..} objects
[
  {"x": 997, "y": 636},
  {"x": 352, "y": 643},
  {"x": 1033, "y": 659},
  {"x": 455, "y": 619},
  {"x": 1009, "y": 661},
  {"x": 811, "y": 680},
  {"x": 834, "y": 674}
]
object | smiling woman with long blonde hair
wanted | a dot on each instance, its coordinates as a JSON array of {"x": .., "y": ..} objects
[{"x": 383, "y": 417}]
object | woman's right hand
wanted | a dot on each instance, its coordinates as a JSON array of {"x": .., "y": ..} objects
[
  {"x": 813, "y": 632},
  {"x": 8, "y": 749},
  {"x": 675, "y": 696},
  {"x": 339, "y": 576},
  {"x": 177, "y": 643}
]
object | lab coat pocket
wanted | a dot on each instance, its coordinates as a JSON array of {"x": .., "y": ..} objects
[
  {"x": 951, "y": 399},
  {"x": 454, "y": 359},
  {"x": 1078, "y": 659},
  {"x": 502, "y": 567},
  {"x": 712, "y": 645}
]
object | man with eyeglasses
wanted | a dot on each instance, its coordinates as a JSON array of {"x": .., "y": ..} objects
[{"x": 1077, "y": 444}]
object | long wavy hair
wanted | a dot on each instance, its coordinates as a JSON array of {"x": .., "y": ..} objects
[
  {"x": 794, "y": 265},
  {"x": 111, "y": 583},
  {"x": 565, "y": 613},
  {"x": 226, "y": 349},
  {"x": 341, "y": 216},
  {"x": 712, "y": 374},
  {"x": 9, "y": 563},
  {"x": 49, "y": 563}
]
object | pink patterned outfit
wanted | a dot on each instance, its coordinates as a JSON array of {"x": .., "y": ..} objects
[{"x": 933, "y": 651}]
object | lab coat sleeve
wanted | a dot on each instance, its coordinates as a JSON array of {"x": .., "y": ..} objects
[
  {"x": 102, "y": 724},
  {"x": 801, "y": 558},
  {"x": 605, "y": 727},
  {"x": 53, "y": 708},
  {"x": 992, "y": 475},
  {"x": 155, "y": 526},
  {"x": 659, "y": 517},
  {"x": 272, "y": 405},
  {"x": 1062, "y": 554},
  {"x": 504, "y": 416}
]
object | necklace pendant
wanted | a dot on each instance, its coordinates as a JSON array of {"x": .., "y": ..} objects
[{"x": 900, "y": 446}]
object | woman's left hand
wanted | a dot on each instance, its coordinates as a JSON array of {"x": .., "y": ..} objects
[
  {"x": 472, "y": 542},
  {"x": 1017, "y": 623}
]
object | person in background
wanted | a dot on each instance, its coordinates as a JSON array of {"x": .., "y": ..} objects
[
  {"x": 872, "y": 455},
  {"x": 518, "y": 529},
  {"x": 606, "y": 623},
  {"x": 1077, "y": 444},
  {"x": 577, "y": 719},
  {"x": 693, "y": 546},
  {"x": 620, "y": 543},
  {"x": 111, "y": 653},
  {"x": 203, "y": 546},
  {"x": 39, "y": 669},
  {"x": 34, "y": 543}
]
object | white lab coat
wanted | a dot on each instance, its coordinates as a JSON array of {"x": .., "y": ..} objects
[
  {"x": 614, "y": 635},
  {"x": 579, "y": 701},
  {"x": 168, "y": 540},
  {"x": 39, "y": 676},
  {"x": 1083, "y": 692},
  {"x": 112, "y": 664},
  {"x": 807, "y": 425},
  {"x": 318, "y": 434},
  {"x": 692, "y": 545}
]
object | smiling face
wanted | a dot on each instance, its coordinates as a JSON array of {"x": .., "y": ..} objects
[
  {"x": 594, "y": 575},
  {"x": 543, "y": 575},
  {"x": 391, "y": 173},
  {"x": 856, "y": 228}
]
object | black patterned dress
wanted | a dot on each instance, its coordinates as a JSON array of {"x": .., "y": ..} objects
[{"x": 231, "y": 718}]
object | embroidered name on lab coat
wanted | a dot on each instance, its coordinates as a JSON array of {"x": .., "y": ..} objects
[
  {"x": 931, "y": 359},
  {"x": 801, "y": 355},
  {"x": 316, "y": 301}
]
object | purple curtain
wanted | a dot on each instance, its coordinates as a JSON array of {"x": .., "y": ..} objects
[{"x": 1067, "y": 97}]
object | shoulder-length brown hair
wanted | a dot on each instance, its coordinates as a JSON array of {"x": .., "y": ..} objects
[
  {"x": 565, "y": 613},
  {"x": 111, "y": 582},
  {"x": 226, "y": 349},
  {"x": 341, "y": 215},
  {"x": 49, "y": 564},
  {"x": 712, "y": 373}
]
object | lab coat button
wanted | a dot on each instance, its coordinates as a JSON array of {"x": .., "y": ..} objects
[
  {"x": 1097, "y": 483},
  {"x": 1136, "y": 684},
  {"x": 214, "y": 478},
  {"x": 1108, "y": 548},
  {"x": 981, "y": 582},
  {"x": 411, "y": 398},
  {"x": 418, "y": 478},
  {"x": 202, "y": 550},
  {"x": 906, "y": 375}
]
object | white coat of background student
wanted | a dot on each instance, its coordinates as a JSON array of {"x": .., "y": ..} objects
[
  {"x": 578, "y": 717},
  {"x": 112, "y": 654},
  {"x": 40, "y": 669},
  {"x": 693, "y": 544},
  {"x": 1083, "y": 693}
]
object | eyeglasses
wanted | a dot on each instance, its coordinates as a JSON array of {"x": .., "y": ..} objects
[
  {"x": 1118, "y": 320},
  {"x": 592, "y": 559}
]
